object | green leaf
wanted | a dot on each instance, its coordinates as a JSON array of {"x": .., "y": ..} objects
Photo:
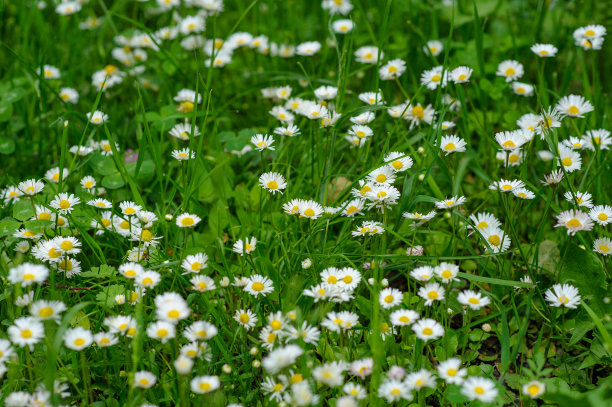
[
  {"x": 103, "y": 165},
  {"x": 6, "y": 111},
  {"x": 14, "y": 95},
  {"x": 113, "y": 181},
  {"x": 38, "y": 226},
  {"x": 108, "y": 294},
  {"x": 98, "y": 272},
  {"x": 8, "y": 226},
  {"x": 491, "y": 280},
  {"x": 7, "y": 145},
  {"x": 23, "y": 210}
]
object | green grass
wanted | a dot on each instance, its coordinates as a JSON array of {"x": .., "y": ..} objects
[{"x": 516, "y": 338}]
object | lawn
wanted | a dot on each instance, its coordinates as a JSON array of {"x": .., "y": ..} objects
[{"x": 305, "y": 203}]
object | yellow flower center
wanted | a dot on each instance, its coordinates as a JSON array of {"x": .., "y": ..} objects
[
  {"x": 162, "y": 333},
  {"x": 563, "y": 299},
  {"x": 604, "y": 249},
  {"x": 54, "y": 254},
  {"x": 462, "y": 77},
  {"x": 364, "y": 190},
  {"x": 271, "y": 337},
  {"x": 418, "y": 112},
  {"x": 451, "y": 372},
  {"x": 45, "y": 312},
  {"x": 296, "y": 378},
  {"x": 272, "y": 185},
  {"x": 89, "y": 184},
  {"x": 510, "y": 72},
  {"x": 276, "y": 325},
  {"x": 573, "y": 110},
  {"x": 257, "y": 286},
  {"x": 147, "y": 281},
  {"x": 347, "y": 279},
  {"x": 277, "y": 387},
  {"x": 332, "y": 279},
  {"x": 404, "y": 319},
  {"x": 427, "y": 331},
  {"x": 450, "y": 147},
  {"x": 244, "y": 318},
  {"x": 187, "y": 221},
  {"x": 381, "y": 178},
  {"x": 474, "y": 301},
  {"x": 196, "y": 266},
  {"x": 432, "y": 295},
  {"x": 479, "y": 390},
  {"x": 573, "y": 223},
  {"x": 66, "y": 245},
  {"x": 392, "y": 69},
  {"x": 205, "y": 386},
  {"x": 520, "y": 90},
  {"x": 567, "y": 161},
  {"x": 589, "y": 33},
  {"x": 309, "y": 212},
  {"x": 447, "y": 274},
  {"x": 202, "y": 285},
  {"x": 436, "y": 78},
  {"x": 64, "y": 204},
  {"x": 494, "y": 240},
  {"x": 79, "y": 341},
  {"x": 174, "y": 314},
  {"x": 509, "y": 143},
  {"x": 146, "y": 236},
  {"x": 389, "y": 299},
  {"x": 482, "y": 225},
  {"x": 533, "y": 389},
  {"x": 543, "y": 52}
]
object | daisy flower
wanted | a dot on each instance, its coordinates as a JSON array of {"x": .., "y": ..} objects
[
  {"x": 187, "y": 220},
  {"x": 511, "y": 70},
  {"x": 183, "y": 154},
  {"x": 47, "y": 310},
  {"x": 64, "y": 202},
  {"x": 204, "y": 384},
  {"x": 428, "y": 329},
  {"x": 78, "y": 338},
  {"x": 447, "y": 272},
  {"x": 431, "y": 292},
  {"x": 452, "y": 144},
  {"x": 534, "y": 389},
  {"x": 273, "y": 182},
  {"x": 511, "y": 140},
  {"x": 392, "y": 69},
  {"x": 479, "y": 388},
  {"x": 281, "y": 358},
  {"x": 390, "y": 297},
  {"x": 368, "y": 55},
  {"x": 434, "y": 77},
  {"x": 496, "y": 238},
  {"x": 507, "y": 185},
  {"x": 433, "y": 47},
  {"x": 97, "y": 117},
  {"x": 262, "y": 142},
  {"x": 423, "y": 273},
  {"x": 570, "y": 159},
  {"x": 26, "y": 331},
  {"x": 544, "y": 50},
  {"x": 310, "y": 209},
  {"x": 368, "y": 228},
  {"x": 394, "y": 390},
  {"x": 564, "y": 295},
  {"x": 603, "y": 246},
  {"x": 308, "y": 48},
  {"x": 27, "y": 274},
  {"x": 403, "y": 317},
  {"x": 581, "y": 199},
  {"x": 522, "y": 89},
  {"x": 450, "y": 202},
  {"x": 574, "y": 221},
  {"x": 574, "y": 106},
  {"x": 472, "y": 299},
  {"x": 601, "y": 214},
  {"x": 144, "y": 379},
  {"x": 371, "y": 98},
  {"x": 451, "y": 372},
  {"x": 32, "y": 187},
  {"x": 246, "y": 318},
  {"x": 330, "y": 374},
  {"x": 461, "y": 74},
  {"x": 258, "y": 285},
  {"x": 398, "y": 162},
  {"x": 599, "y": 137},
  {"x": 182, "y": 131},
  {"x": 290, "y": 130}
]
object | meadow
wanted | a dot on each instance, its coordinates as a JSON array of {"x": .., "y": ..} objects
[{"x": 305, "y": 203}]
